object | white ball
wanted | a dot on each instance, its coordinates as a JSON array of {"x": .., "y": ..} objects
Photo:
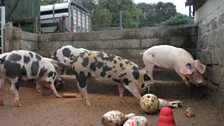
[
  {"x": 113, "y": 118},
  {"x": 149, "y": 103}
]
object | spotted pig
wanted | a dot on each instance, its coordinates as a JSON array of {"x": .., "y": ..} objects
[
  {"x": 105, "y": 66},
  {"x": 25, "y": 65}
]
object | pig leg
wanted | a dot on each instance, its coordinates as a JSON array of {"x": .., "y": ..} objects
[
  {"x": 148, "y": 60},
  {"x": 80, "y": 91},
  {"x": 38, "y": 87},
  {"x": 14, "y": 88},
  {"x": 185, "y": 80},
  {"x": 121, "y": 92},
  {"x": 2, "y": 90},
  {"x": 85, "y": 96},
  {"x": 149, "y": 69},
  {"x": 52, "y": 87},
  {"x": 83, "y": 87}
]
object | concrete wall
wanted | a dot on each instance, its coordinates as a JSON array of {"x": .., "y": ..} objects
[
  {"x": 210, "y": 20},
  {"x": 126, "y": 43},
  {"x": 18, "y": 39}
]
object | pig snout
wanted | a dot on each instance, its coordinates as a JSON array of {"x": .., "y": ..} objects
[
  {"x": 198, "y": 79},
  {"x": 195, "y": 78},
  {"x": 147, "y": 88},
  {"x": 59, "y": 83}
]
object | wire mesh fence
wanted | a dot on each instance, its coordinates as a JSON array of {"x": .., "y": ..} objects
[
  {"x": 131, "y": 23},
  {"x": 144, "y": 25}
]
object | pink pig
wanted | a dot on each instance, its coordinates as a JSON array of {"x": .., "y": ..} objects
[{"x": 170, "y": 57}]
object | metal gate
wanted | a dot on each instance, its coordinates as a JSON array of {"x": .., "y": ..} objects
[{"x": 2, "y": 28}]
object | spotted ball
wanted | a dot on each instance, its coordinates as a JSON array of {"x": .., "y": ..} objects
[{"x": 149, "y": 103}]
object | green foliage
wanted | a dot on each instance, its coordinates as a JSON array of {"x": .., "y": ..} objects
[
  {"x": 178, "y": 19},
  {"x": 130, "y": 13},
  {"x": 165, "y": 10},
  {"x": 131, "y": 17},
  {"x": 88, "y": 4},
  {"x": 45, "y": 2},
  {"x": 155, "y": 14},
  {"x": 101, "y": 18},
  {"x": 107, "y": 13}
]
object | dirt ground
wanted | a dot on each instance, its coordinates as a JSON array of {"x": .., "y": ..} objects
[{"x": 38, "y": 110}]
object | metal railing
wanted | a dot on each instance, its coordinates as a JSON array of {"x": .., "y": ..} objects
[{"x": 2, "y": 28}]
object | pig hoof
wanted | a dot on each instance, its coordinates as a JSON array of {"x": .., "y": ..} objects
[
  {"x": 122, "y": 101},
  {"x": 17, "y": 104},
  {"x": 38, "y": 91},
  {"x": 88, "y": 103},
  {"x": 58, "y": 96}
]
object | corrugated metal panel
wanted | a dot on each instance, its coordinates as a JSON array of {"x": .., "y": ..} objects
[{"x": 24, "y": 13}]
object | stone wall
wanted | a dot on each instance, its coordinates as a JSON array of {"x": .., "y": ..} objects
[{"x": 210, "y": 20}]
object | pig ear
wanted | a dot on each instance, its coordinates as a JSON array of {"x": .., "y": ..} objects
[
  {"x": 199, "y": 66},
  {"x": 186, "y": 69},
  {"x": 55, "y": 63}
]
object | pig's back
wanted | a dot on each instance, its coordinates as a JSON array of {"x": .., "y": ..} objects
[{"x": 166, "y": 56}]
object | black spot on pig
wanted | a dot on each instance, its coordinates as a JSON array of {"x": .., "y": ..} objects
[
  {"x": 42, "y": 71},
  {"x": 127, "y": 62},
  {"x": 126, "y": 81},
  {"x": 99, "y": 64},
  {"x": 143, "y": 85},
  {"x": 93, "y": 66},
  {"x": 34, "y": 68},
  {"x": 85, "y": 61},
  {"x": 66, "y": 52},
  {"x": 24, "y": 72},
  {"x": 26, "y": 59},
  {"x": 121, "y": 65},
  {"x": 135, "y": 72},
  {"x": 116, "y": 80},
  {"x": 38, "y": 57},
  {"x": 50, "y": 74},
  {"x": 105, "y": 69},
  {"x": 119, "y": 58},
  {"x": 89, "y": 74},
  {"x": 31, "y": 54},
  {"x": 95, "y": 59},
  {"x": 108, "y": 57},
  {"x": 81, "y": 79},
  {"x": 121, "y": 75},
  {"x": 12, "y": 69},
  {"x": 15, "y": 57},
  {"x": 146, "y": 77}
]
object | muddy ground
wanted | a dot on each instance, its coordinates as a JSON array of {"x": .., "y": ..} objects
[{"x": 38, "y": 110}]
